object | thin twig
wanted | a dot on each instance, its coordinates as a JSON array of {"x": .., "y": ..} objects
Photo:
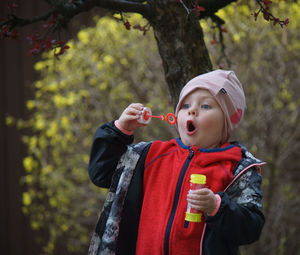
[{"x": 185, "y": 7}]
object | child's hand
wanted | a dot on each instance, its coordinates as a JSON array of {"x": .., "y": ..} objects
[
  {"x": 203, "y": 200},
  {"x": 129, "y": 117}
]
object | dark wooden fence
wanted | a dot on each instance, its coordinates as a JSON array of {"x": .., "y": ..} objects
[
  {"x": 16, "y": 78},
  {"x": 16, "y": 75}
]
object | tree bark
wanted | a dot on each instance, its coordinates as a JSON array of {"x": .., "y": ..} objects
[{"x": 181, "y": 44}]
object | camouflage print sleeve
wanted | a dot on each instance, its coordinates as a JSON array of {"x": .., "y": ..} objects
[{"x": 246, "y": 189}]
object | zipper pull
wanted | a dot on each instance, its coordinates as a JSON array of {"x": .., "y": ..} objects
[{"x": 191, "y": 154}]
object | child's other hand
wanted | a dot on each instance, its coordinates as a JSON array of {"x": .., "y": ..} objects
[
  {"x": 129, "y": 117},
  {"x": 203, "y": 200}
]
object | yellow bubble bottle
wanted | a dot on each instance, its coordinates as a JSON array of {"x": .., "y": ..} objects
[{"x": 197, "y": 181}]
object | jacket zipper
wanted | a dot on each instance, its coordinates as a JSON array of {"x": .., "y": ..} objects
[{"x": 175, "y": 203}]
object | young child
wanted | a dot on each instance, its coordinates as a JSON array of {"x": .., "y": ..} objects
[{"x": 144, "y": 212}]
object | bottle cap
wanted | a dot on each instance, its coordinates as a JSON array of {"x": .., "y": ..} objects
[
  {"x": 198, "y": 178},
  {"x": 193, "y": 217}
]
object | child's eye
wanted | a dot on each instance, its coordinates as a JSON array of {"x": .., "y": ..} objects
[
  {"x": 206, "y": 106},
  {"x": 185, "y": 106}
]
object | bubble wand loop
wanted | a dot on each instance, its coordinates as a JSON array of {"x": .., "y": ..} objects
[{"x": 146, "y": 116}]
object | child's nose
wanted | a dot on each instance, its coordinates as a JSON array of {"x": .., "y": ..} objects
[{"x": 192, "y": 111}]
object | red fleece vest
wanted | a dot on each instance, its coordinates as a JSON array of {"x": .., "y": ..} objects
[{"x": 168, "y": 166}]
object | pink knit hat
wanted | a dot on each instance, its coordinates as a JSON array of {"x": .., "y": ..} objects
[{"x": 228, "y": 92}]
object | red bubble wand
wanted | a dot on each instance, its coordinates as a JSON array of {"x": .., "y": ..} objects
[{"x": 146, "y": 116}]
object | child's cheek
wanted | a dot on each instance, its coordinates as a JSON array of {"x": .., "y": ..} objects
[
  {"x": 181, "y": 124},
  {"x": 211, "y": 121}
]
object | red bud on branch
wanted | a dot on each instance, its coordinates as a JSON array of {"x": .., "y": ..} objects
[{"x": 268, "y": 16}]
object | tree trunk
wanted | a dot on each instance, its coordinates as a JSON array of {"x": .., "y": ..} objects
[{"x": 181, "y": 45}]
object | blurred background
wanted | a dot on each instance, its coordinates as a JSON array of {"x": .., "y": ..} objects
[{"x": 50, "y": 109}]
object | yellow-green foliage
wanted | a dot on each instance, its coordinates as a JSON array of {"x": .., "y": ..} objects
[
  {"x": 106, "y": 68},
  {"x": 269, "y": 52},
  {"x": 266, "y": 59}
]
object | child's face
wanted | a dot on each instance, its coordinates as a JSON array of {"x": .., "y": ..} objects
[{"x": 200, "y": 120}]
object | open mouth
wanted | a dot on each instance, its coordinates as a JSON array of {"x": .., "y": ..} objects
[{"x": 190, "y": 127}]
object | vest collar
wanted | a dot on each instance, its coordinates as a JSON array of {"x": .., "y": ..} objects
[{"x": 224, "y": 147}]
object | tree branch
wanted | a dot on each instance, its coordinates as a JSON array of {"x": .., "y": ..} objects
[
  {"x": 115, "y": 5},
  {"x": 16, "y": 21},
  {"x": 69, "y": 10},
  {"x": 213, "y": 6},
  {"x": 138, "y": 1},
  {"x": 204, "y": 8}
]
